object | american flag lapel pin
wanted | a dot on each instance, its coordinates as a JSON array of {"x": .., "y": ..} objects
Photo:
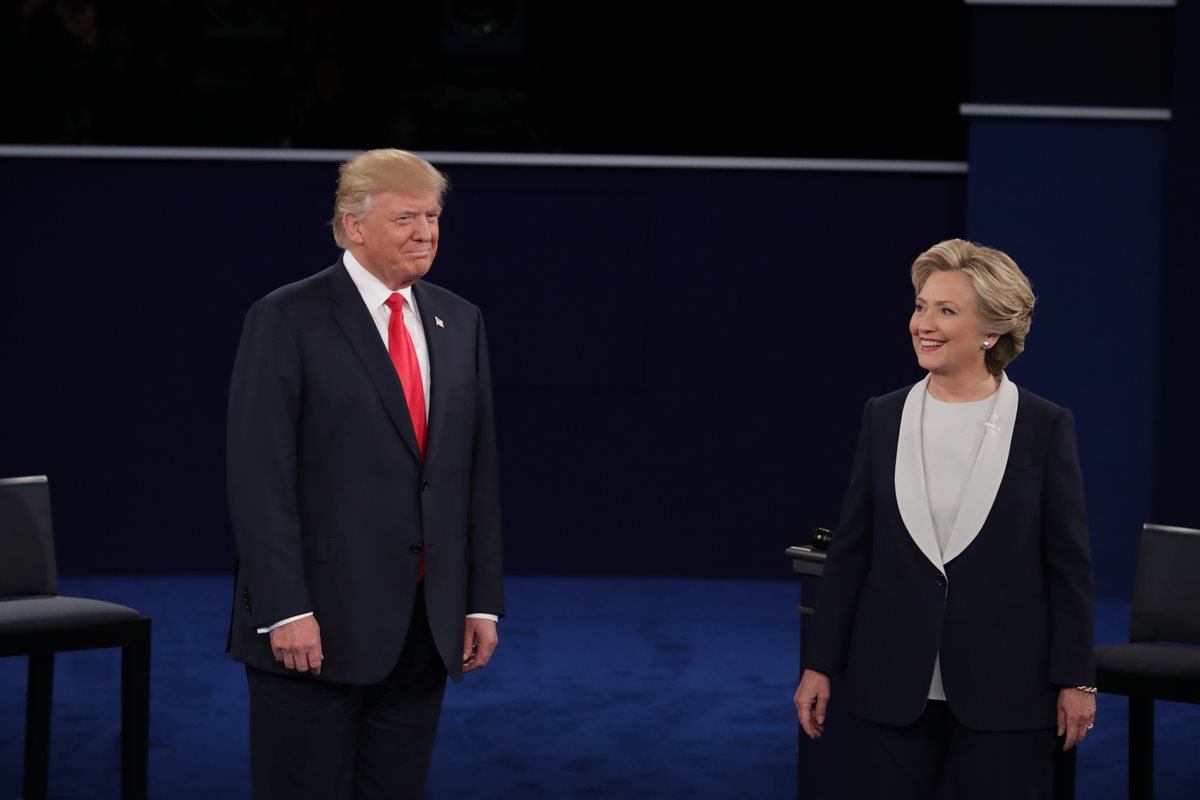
[{"x": 438, "y": 321}]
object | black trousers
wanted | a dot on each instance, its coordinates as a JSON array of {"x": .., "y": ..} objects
[
  {"x": 314, "y": 740},
  {"x": 937, "y": 752}
]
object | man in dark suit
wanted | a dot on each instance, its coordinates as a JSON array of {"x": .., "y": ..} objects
[{"x": 362, "y": 479}]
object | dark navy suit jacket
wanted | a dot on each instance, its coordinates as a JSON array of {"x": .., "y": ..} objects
[
  {"x": 1012, "y": 614},
  {"x": 329, "y": 496}
]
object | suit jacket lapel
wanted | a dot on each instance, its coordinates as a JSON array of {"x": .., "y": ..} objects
[
  {"x": 437, "y": 343},
  {"x": 352, "y": 317},
  {"x": 911, "y": 494},
  {"x": 988, "y": 472}
]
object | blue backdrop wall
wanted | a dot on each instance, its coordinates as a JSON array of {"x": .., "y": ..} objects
[
  {"x": 1179, "y": 385},
  {"x": 1080, "y": 204},
  {"x": 680, "y": 357}
]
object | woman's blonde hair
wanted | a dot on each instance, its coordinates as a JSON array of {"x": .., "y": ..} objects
[
  {"x": 1004, "y": 297},
  {"x": 386, "y": 170}
]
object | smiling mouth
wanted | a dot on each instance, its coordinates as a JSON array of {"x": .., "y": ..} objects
[{"x": 929, "y": 345}]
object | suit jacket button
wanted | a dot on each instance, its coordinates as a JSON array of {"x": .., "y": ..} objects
[
  {"x": 424, "y": 486},
  {"x": 414, "y": 548},
  {"x": 941, "y": 579}
]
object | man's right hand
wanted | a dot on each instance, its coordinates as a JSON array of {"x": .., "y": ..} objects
[
  {"x": 811, "y": 698},
  {"x": 297, "y": 645}
]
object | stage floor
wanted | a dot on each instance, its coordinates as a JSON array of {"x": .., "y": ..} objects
[{"x": 602, "y": 688}]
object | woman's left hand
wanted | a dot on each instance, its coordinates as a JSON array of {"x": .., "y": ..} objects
[{"x": 1076, "y": 715}]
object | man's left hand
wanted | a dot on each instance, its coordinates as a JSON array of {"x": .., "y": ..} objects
[
  {"x": 479, "y": 643},
  {"x": 1076, "y": 715}
]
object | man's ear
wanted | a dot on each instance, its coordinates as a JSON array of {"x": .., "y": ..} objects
[{"x": 350, "y": 224}]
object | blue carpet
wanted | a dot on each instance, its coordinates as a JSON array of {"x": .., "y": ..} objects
[{"x": 602, "y": 688}]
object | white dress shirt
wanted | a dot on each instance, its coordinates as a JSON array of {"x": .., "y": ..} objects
[{"x": 375, "y": 294}]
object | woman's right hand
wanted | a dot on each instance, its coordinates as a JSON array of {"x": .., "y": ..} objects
[{"x": 811, "y": 698}]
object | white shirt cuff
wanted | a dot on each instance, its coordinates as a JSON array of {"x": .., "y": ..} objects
[{"x": 284, "y": 622}]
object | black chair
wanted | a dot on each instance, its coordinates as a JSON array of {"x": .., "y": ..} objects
[
  {"x": 36, "y": 622},
  {"x": 1161, "y": 661}
]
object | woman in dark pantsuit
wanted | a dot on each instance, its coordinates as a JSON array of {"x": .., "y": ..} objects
[{"x": 957, "y": 601}]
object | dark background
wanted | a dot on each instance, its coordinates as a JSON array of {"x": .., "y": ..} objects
[
  {"x": 611, "y": 76},
  {"x": 680, "y": 356}
]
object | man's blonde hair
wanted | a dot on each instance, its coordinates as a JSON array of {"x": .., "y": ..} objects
[{"x": 385, "y": 170}]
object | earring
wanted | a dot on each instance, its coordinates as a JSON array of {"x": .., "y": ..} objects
[{"x": 985, "y": 344}]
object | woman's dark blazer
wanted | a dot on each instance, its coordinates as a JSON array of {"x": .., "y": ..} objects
[{"x": 1011, "y": 614}]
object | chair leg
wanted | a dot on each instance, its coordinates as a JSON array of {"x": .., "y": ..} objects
[
  {"x": 1141, "y": 748},
  {"x": 135, "y": 717},
  {"x": 39, "y": 697}
]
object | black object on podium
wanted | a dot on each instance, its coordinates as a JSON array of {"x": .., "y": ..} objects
[{"x": 823, "y": 765}]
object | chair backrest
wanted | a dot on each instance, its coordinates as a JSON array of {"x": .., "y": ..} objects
[
  {"x": 1166, "y": 588},
  {"x": 26, "y": 538}
]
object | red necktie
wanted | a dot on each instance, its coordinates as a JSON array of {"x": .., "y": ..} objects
[{"x": 404, "y": 358}]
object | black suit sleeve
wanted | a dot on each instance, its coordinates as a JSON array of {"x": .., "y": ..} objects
[
  {"x": 1068, "y": 561},
  {"x": 264, "y": 412},
  {"x": 847, "y": 564},
  {"x": 485, "y": 591}
]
